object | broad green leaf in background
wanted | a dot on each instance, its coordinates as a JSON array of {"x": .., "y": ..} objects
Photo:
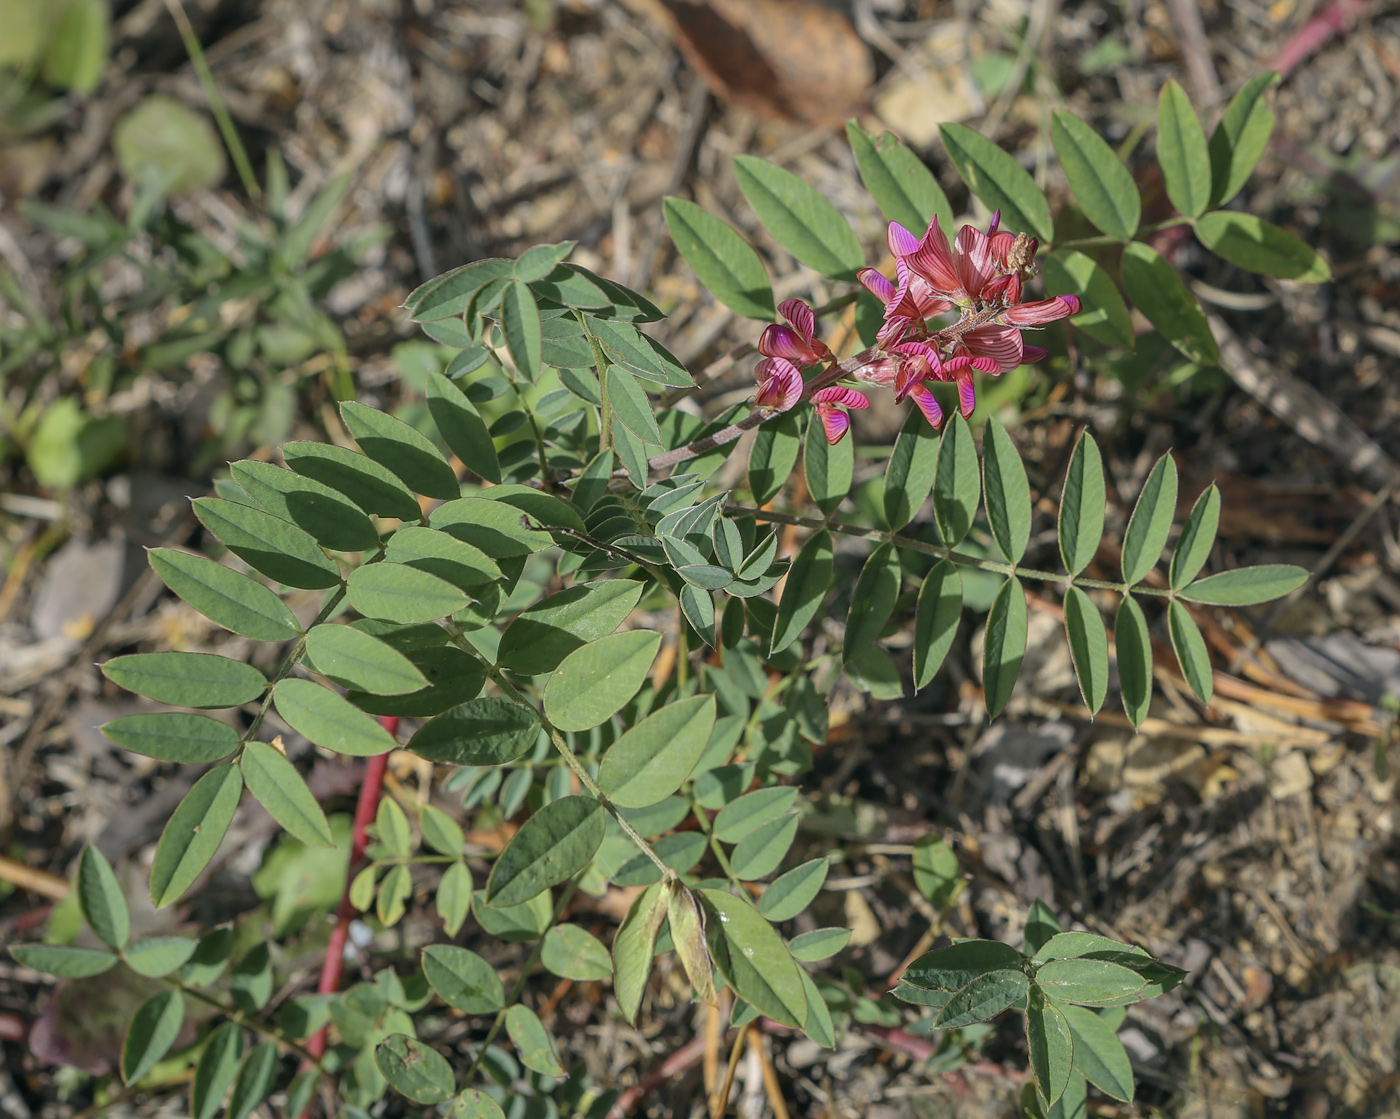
[
  {"x": 899, "y": 181},
  {"x": 187, "y": 679},
  {"x": 254, "y": 1080},
  {"x": 101, "y": 899},
  {"x": 491, "y": 730},
  {"x": 910, "y": 473},
  {"x": 159, "y": 956},
  {"x": 1197, "y": 537},
  {"x": 62, "y": 961},
  {"x": 634, "y": 947},
  {"x": 574, "y": 953},
  {"x": 370, "y": 485},
  {"x": 1246, "y": 586},
  {"x": 806, "y": 586},
  {"x": 1005, "y": 644},
  {"x": 520, "y": 320},
  {"x": 441, "y": 832},
  {"x": 211, "y": 955},
  {"x": 193, "y": 834},
  {"x": 153, "y": 1030},
  {"x": 1240, "y": 138},
  {"x": 800, "y": 219},
  {"x": 1098, "y": 1053},
  {"x": 828, "y": 469},
  {"x": 417, "y": 1070},
  {"x": 1007, "y": 493},
  {"x": 1182, "y": 152},
  {"x": 395, "y": 592},
  {"x": 167, "y": 144},
  {"x": 329, "y": 720},
  {"x": 1258, "y": 246},
  {"x": 652, "y": 759},
  {"x": 724, "y": 262},
  {"x": 280, "y": 789},
  {"x": 227, "y": 598},
  {"x": 1082, "y": 506},
  {"x": 217, "y": 1067},
  {"x": 463, "y": 980},
  {"x": 937, "y": 873},
  {"x": 953, "y": 968},
  {"x": 401, "y": 449},
  {"x": 77, "y": 49},
  {"x": 328, "y": 515},
  {"x": 753, "y": 959},
  {"x": 462, "y": 427},
  {"x": 956, "y": 485},
  {"x": 1134, "y": 648},
  {"x": 544, "y": 634},
  {"x": 1103, "y": 187},
  {"x": 1191, "y": 652},
  {"x": 1162, "y": 295},
  {"x": 1151, "y": 521},
  {"x": 593, "y": 682},
  {"x": 269, "y": 544},
  {"x": 1088, "y": 646},
  {"x": 532, "y": 1041},
  {"x": 791, "y": 893},
  {"x": 1104, "y": 316},
  {"x": 758, "y": 854},
  {"x": 773, "y": 456},
  {"x": 998, "y": 180},
  {"x": 936, "y": 620},
  {"x": 553, "y": 845},
  {"x": 358, "y": 661},
  {"x": 740, "y": 816},
  {"x": 872, "y": 601},
  {"x": 1051, "y": 1046}
]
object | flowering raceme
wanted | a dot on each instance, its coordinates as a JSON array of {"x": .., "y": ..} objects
[{"x": 981, "y": 278}]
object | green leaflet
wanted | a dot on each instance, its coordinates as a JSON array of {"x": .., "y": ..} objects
[
  {"x": 956, "y": 485},
  {"x": 438, "y": 553},
  {"x": 1051, "y": 1046},
  {"x": 951, "y": 969},
  {"x": 532, "y": 1041},
  {"x": 327, "y": 719},
  {"x": 1191, "y": 652},
  {"x": 819, "y": 944},
  {"x": 910, "y": 473},
  {"x": 1134, "y": 648},
  {"x": 1182, "y": 152},
  {"x": 403, "y": 450},
  {"x": 758, "y": 854},
  {"x": 828, "y": 469},
  {"x": 454, "y": 897},
  {"x": 1088, "y": 646},
  {"x": 774, "y": 456},
  {"x": 1088, "y": 982},
  {"x": 372, "y": 487},
  {"x": 418, "y": 1071},
  {"x": 998, "y": 180},
  {"x": 799, "y": 218},
  {"x": 722, "y": 260},
  {"x": 753, "y": 959},
  {"x": 1240, "y": 138},
  {"x": 789, "y": 894},
  {"x": 269, "y": 544},
  {"x": 1162, "y": 295},
  {"x": 192, "y": 836},
  {"x": 1007, "y": 492},
  {"x": 229, "y": 599},
  {"x": 395, "y": 592},
  {"x": 902, "y": 186},
  {"x": 984, "y": 997},
  {"x": 574, "y": 953},
  {"x": 1005, "y": 644},
  {"x": 630, "y": 404},
  {"x": 279, "y": 788},
  {"x": 101, "y": 900},
  {"x": 1257, "y": 245},
  {"x": 62, "y": 961},
  {"x": 159, "y": 956},
  {"x": 487, "y": 731},
  {"x": 153, "y": 1030},
  {"x": 1104, "y": 315},
  {"x": 463, "y": 980},
  {"x": 1082, "y": 506},
  {"x": 335, "y": 521},
  {"x": 936, "y": 620},
  {"x": 494, "y": 527},
  {"x": 872, "y": 601},
  {"x": 217, "y": 1067},
  {"x": 1246, "y": 586},
  {"x": 652, "y": 759},
  {"x": 1151, "y": 521},
  {"x": 1197, "y": 537},
  {"x": 462, "y": 428},
  {"x": 592, "y": 683},
  {"x": 937, "y": 872},
  {"x": 1103, "y": 186},
  {"x": 520, "y": 319},
  {"x": 544, "y": 634},
  {"x": 1098, "y": 1053},
  {"x": 354, "y": 659},
  {"x": 187, "y": 679},
  {"x": 806, "y": 586},
  {"x": 553, "y": 845},
  {"x": 173, "y": 736},
  {"x": 254, "y": 1080},
  {"x": 634, "y": 947},
  {"x": 739, "y": 817}
]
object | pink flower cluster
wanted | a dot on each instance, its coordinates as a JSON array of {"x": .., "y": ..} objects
[{"x": 981, "y": 278}]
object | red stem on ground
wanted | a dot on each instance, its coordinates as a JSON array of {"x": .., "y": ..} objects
[
  {"x": 681, "y": 1061},
  {"x": 366, "y": 809},
  {"x": 1336, "y": 19}
]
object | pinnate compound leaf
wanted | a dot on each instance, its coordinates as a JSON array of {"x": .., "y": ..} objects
[
  {"x": 987, "y": 995},
  {"x": 998, "y": 180},
  {"x": 331, "y": 518},
  {"x": 1007, "y": 492},
  {"x": 1151, "y": 521},
  {"x": 872, "y": 601},
  {"x": 520, "y": 319},
  {"x": 758, "y": 854},
  {"x": 789, "y": 894},
  {"x": 574, "y": 953},
  {"x": 803, "y": 592},
  {"x": 774, "y": 455},
  {"x": 227, "y": 598},
  {"x": 753, "y": 958},
  {"x": 1258, "y": 246},
  {"x": 159, "y": 956},
  {"x": 395, "y": 592},
  {"x": 415, "y": 1069},
  {"x": 1197, "y": 537},
  {"x": 1082, "y": 506},
  {"x": 953, "y": 968},
  {"x": 153, "y": 1030},
  {"x": 553, "y": 845},
  {"x": 1162, "y": 295},
  {"x": 899, "y": 181},
  {"x": 956, "y": 484},
  {"x": 1191, "y": 652},
  {"x": 1240, "y": 138},
  {"x": 329, "y": 720},
  {"x": 1098, "y": 1053},
  {"x": 910, "y": 473},
  {"x": 592, "y": 683},
  {"x": 487, "y": 731},
  {"x": 215, "y": 1072},
  {"x": 545, "y": 633},
  {"x": 462, "y": 428},
  {"x": 724, "y": 262},
  {"x": 1246, "y": 586},
  {"x": 800, "y": 219},
  {"x": 279, "y": 788},
  {"x": 1134, "y": 648},
  {"x": 936, "y": 620},
  {"x": 1051, "y": 1046},
  {"x": 1005, "y": 645},
  {"x": 533, "y": 1042},
  {"x": 371, "y": 486},
  {"x": 463, "y": 980},
  {"x": 1103, "y": 314},
  {"x": 187, "y": 679},
  {"x": 1102, "y": 185},
  {"x": 828, "y": 469},
  {"x": 1088, "y": 982},
  {"x": 269, "y": 544},
  {"x": 254, "y": 1081},
  {"x": 101, "y": 899},
  {"x": 194, "y": 832},
  {"x": 1088, "y": 647},
  {"x": 62, "y": 961},
  {"x": 403, "y": 450},
  {"x": 1182, "y": 152},
  {"x": 356, "y": 660},
  {"x": 652, "y": 759},
  {"x": 634, "y": 947}
]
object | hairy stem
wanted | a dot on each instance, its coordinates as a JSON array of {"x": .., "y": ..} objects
[{"x": 293, "y": 659}]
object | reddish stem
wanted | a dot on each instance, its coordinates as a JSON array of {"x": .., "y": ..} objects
[{"x": 1336, "y": 19}]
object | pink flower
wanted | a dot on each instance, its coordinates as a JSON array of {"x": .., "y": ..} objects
[
  {"x": 829, "y": 404},
  {"x": 779, "y": 384},
  {"x": 1040, "y": 312},
  {"x": 798, "y": 341}
]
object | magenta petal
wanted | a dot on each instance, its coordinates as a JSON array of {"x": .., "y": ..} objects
[
  {"x": 835, "y": 424},
  {"x": 967, "y": 397},
  {"x": 784, "y": 342},
  {"x": 841, "y": 396},
  {"x": 974, "y": 259},
  {"x": 779, "y": 384},
  {"x": 876, "y": 284},
  {"x": 801, "y": 317},
  {"x": 996, "y": 222},
  {"x": 934, "y": 262},
  {"x": 1073, "y": 302},
  {"x": 927, "y": 403},
  {"x": 1032, "y": 354},
  {"x": 901, "y": 241}
]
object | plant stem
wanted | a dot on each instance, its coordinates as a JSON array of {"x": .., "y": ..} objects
[
  {"x": 293, "y": 659},
  {"x": 312, "y": 1060}
]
